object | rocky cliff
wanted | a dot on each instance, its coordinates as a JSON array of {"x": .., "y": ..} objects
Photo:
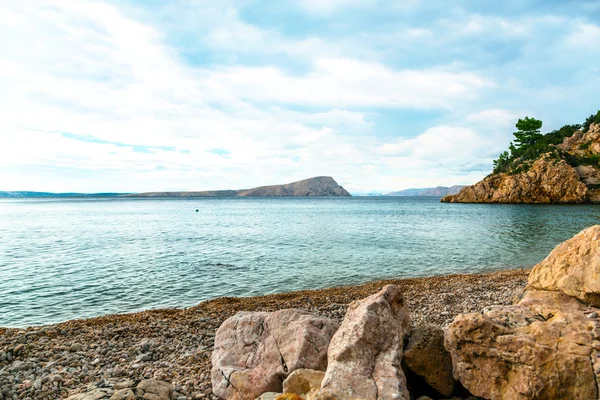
[
  {"x": 318, "y": 186},
  {"x": 570, "y": 173}
]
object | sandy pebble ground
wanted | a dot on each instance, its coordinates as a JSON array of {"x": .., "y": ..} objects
[{"x": 175, "y": 345}]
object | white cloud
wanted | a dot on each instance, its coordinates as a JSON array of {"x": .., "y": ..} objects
[
  {"x": 325, "y": 7},
  {"x": 351, "y": 83},
  {"x": 585, "y": 38}
]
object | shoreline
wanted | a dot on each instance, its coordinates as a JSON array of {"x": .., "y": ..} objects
[
  {"x": 175, "y": 345},
  {"x": 362, "y": 287}
]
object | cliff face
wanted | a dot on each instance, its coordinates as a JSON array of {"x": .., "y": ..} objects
[
  {"x": 319, "y": 186},
  {"x": 573, "y": 177}
]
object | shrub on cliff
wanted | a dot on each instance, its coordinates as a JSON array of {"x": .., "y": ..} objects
[
  {"x": 530, "y": 144},
  {"x": 592, "y": 119}
]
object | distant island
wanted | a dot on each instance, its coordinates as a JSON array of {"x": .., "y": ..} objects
[
  {"x": 21, "y": 194},
  {"x": 438, "y": 191},
  {"x": 560, "y": 167},
  {"x": 317, "y": 186}
]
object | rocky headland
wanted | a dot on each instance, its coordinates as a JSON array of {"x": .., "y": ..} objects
[
  {"x": 317, "y": 186},
  {"x": 569, "y": 173},
  {"x": 521, "y": 334}
]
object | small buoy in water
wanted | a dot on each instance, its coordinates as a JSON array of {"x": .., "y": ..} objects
[{"x": 196, "y": 210}]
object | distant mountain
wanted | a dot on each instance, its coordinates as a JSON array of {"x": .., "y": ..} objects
[
  {"x": 22, "y": 194},
  {"x": 318, "y": 186},
  {"x": 438, "y": 191}
]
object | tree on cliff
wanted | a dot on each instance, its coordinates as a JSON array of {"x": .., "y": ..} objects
[
  {"x": 592, "y": 119},
  {"x": 528, "y": 132}
]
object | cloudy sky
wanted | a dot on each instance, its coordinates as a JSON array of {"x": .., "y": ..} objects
[{"x": 202, "y": 94}]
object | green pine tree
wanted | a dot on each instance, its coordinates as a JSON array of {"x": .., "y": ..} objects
[{"x": 528, "y": 132}]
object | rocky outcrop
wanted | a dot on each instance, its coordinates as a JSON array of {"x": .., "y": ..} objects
[
  {"x": 426, "y": 356},
  {"x": 547, "y": 181},
  {"x": 547, "y": 346},
  {"x": 317, "y": 186},
  {"x": 366, "y": 352},
  {"x": 573, "y": 268},
  {"x": 255, "y": 351},
  {"x": 573, "y": 177}
]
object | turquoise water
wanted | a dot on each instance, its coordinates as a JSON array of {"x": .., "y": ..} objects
[{"x": 66, "y": 258}]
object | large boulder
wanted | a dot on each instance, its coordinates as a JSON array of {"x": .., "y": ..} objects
[
  {"x": 255, "y": 351},
  {"x": 545, "y": 347},
  {"x": 366, "y": 352},
  {"x": 573, "y": 268},
  {"x": 426, "y": 356}
]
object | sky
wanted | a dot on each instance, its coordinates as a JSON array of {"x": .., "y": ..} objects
[{"x": 155, "y": 95}]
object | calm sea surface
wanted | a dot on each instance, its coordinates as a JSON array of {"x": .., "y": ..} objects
[{"x": 63, "y": 259}]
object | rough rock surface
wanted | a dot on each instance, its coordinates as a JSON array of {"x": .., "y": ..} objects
[
  {"x": 547, "y": 181},
  {"x": 303, "y": 382},
  {"x": 426, "y": 356},
  {"x": 365, "y": 354},
  {"x": 255, "y": 351},
  {"x": 545, "y": 347},
  {"x": 573, "y": 268}
]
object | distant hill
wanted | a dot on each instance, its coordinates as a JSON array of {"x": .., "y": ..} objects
[
  {"x": 318, "y": 186},
  {"x": 438, "y": 191},
  {"x": 22, "y": 194}
]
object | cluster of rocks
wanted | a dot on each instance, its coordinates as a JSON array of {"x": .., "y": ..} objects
[
  {"x": 268, "y": 355},
  {"x": 544, "y": 346},
  {"x": 148, "y": 389}
]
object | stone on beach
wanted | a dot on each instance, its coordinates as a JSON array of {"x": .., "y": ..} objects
[
  {"x": 426, "y": 356},
  {"x": 303, "y": 382},
  {"x": 573, "y": 268},
  {"x": 255, "y": 351},
  {"x": 123, "y": 394},
  {"x": 148, "y": 389},
  {"x": 545, "y": 347},
  {"x": 365, "y": 354}
]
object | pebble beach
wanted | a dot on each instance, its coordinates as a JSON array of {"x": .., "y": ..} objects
[{"x": 175, "y": 345}]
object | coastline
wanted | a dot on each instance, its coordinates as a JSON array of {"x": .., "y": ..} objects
[{"x": 176, "y": 344}]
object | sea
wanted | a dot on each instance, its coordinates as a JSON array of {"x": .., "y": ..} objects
[{"x": 63, "y": 259}]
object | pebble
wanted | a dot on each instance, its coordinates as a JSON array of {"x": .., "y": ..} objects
[{"x": 143, "y": 357}]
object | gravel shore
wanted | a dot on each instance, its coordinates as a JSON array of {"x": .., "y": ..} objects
[{"x": 175, "y": 345}]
